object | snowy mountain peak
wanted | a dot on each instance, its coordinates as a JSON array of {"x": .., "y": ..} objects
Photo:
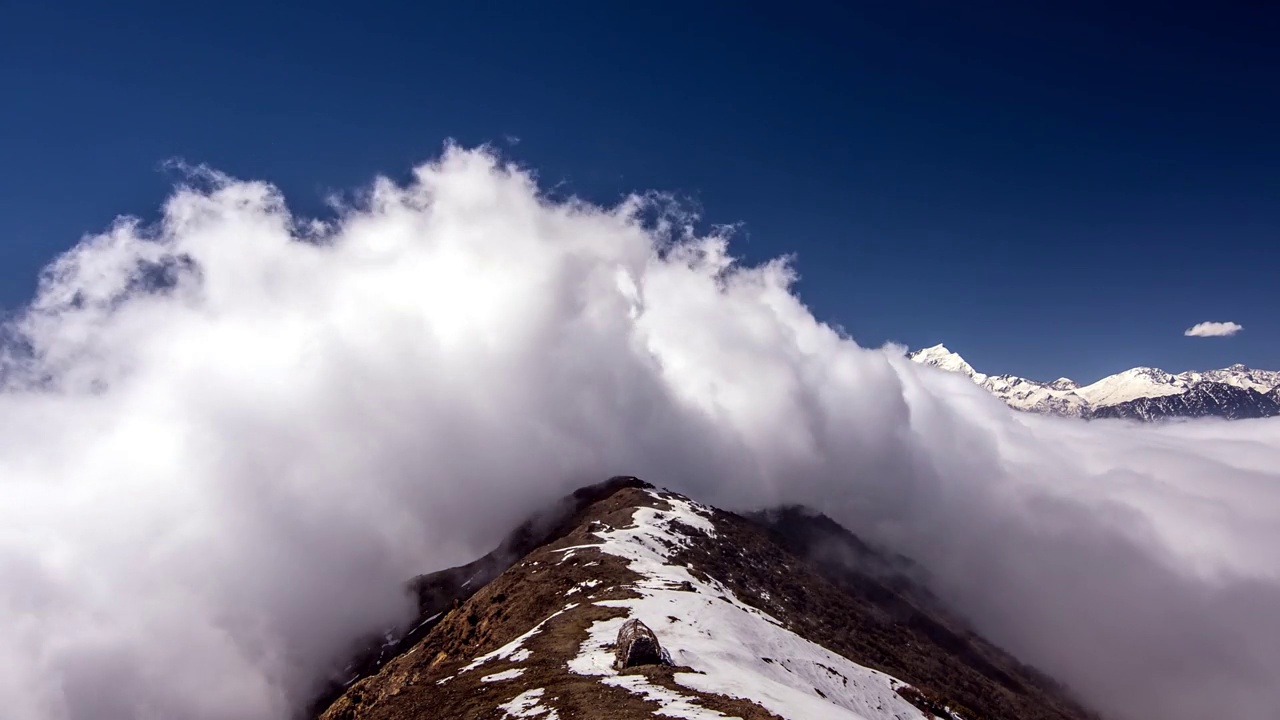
[
  {"x": 1132, "y": 384},
  {"x": 1154, "y": 373},
  {"x": 935, "y": 352},
  {"x": 1241, "y": 376},
  {"x": 1065, "y": 397},
  {"x": 940, "y": 357},
  {"x": 1057, "y": 398}
]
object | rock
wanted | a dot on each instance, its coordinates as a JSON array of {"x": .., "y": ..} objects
[{"x": 637, "y": 645}]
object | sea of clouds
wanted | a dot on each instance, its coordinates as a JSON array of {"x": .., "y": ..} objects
[{"x": 227, "y": 438}]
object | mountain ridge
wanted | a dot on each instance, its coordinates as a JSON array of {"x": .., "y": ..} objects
[
  {"x": 1234, "y": 392},
  {"x": 754, "y": 631}
]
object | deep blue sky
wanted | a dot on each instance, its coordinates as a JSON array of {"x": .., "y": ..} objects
[{"x": 1048, "y": 191}]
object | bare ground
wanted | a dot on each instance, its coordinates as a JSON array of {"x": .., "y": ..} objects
[{"x": 867, "y": 619}]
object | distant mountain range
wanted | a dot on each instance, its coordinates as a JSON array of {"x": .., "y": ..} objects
[{"x": 1142, "y": 393}]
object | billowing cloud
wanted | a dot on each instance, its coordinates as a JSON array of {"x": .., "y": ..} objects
[
  {"x": 226, "y": 439},
  {"x": 1213, "y": 329}
]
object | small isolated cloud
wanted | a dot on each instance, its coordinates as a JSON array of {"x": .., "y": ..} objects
[{"x": 1213, "y": 329}]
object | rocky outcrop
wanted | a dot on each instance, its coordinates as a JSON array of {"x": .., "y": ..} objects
[{"x": 637, "y": 645}]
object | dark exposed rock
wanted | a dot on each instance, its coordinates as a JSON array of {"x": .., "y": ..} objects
[{"x": 638, "y": 645}]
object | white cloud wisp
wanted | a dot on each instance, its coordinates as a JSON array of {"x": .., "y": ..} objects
[
  {"x": 1213, "y": 329},
  {"x": 225, "y": 440}
]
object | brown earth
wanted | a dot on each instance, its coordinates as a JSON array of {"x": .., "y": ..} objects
[
  {"x": 877, "y": 619},
  {"x": 409, "y": 686},
  {"x": 441, "y": 591}
]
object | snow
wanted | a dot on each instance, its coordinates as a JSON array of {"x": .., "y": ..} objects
[
  {"x": 940, "y": 357},
  {"x": 672, "y": 704},
  {"x": 512, "y": 648},
  {"x": 520, "y": 705},
  {"x": 571, "y": 548},
  {"x": 424, "y": 622},
  {"x": 511, "y": 674},
  {"x": 1131, "y": 385},
  {"x": 584, "y": 585},
  {"x": 1030, "y": 395},
  {"x": 525, "y": 705},
  {"x": 1057, "y": 397},
  {"x": 1064, "y": 397},
  {"x": 1241, "y": 376},
  {"x": 735, "y": 649}
]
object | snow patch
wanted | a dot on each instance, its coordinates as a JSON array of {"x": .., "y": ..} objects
[
  {"x": 525, "y": 705},
  {"x": 672, "y": 704},
  {"x": 511, "y": 674},
  {"x": 572, "y": 548},
  {"x": 511, "y": 648},
  {"x": 424, "y": 622},
  {"x": 584, "y": 585}
]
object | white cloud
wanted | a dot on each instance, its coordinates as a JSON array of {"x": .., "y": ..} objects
[
  {"x": 1213, "y": 329},
  {"x": 207, "y": 491}
]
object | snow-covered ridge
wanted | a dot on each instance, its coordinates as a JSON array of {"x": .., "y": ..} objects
[
  {"x": 1064, "y": 397},
  {"x": 734, "y": 648},
  {"x": 737, "y": 623}
]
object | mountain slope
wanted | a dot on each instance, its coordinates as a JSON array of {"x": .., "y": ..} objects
[
  {"x": 1206, "y": 399},
  {"x": 1142, "y": 393},
  {"x": 1060, "y": 397},
  {"x": 1240, "y": 376},
  {"x": 442, "y": 591},
  {"x": 751, "y": 629}
]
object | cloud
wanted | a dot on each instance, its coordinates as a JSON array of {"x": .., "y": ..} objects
[
  {"x": 1213, "y": 329},
  {"x": 226, "y": 439}
]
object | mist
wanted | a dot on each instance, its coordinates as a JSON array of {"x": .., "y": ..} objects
[{"x": 228, "y": 437}]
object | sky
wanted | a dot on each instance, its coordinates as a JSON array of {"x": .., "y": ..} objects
[
  {"x": 1049, "y": 191},
  {"x": 212, "y": 486}
]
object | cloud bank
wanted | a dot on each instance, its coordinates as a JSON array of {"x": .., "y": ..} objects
[
  {"x": 1213, "y": 329},
  {"x": 225, "y": 439}
]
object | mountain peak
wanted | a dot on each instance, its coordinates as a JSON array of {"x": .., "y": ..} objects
[
  {"x": 932, "y": 352},
  {"x": 1146, "y": 370},
  {"x": 941, "y": 357},
  {"x": 1139, "y": 384}
]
